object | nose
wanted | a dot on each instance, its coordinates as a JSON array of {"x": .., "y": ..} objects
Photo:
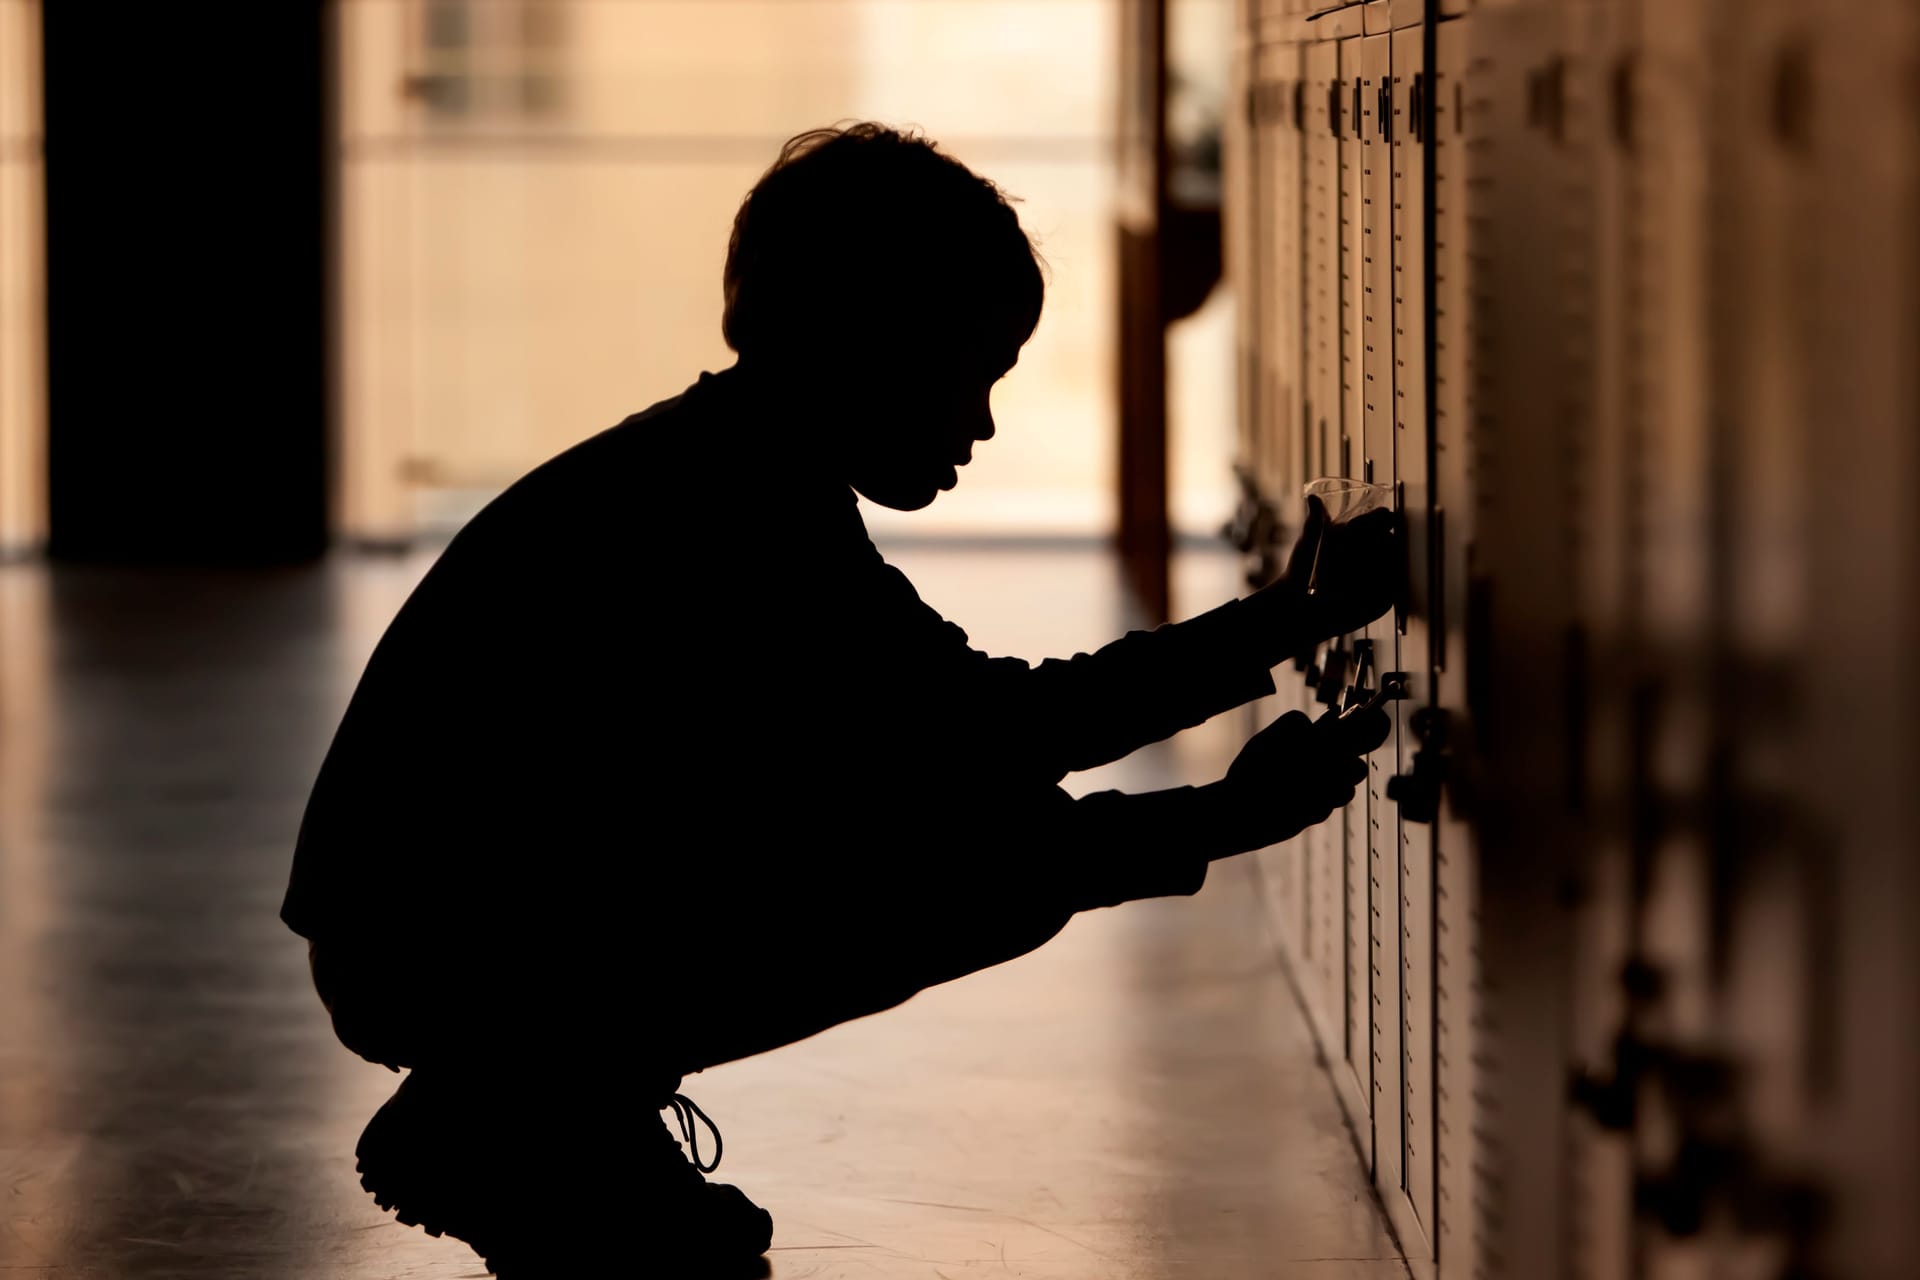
[{"x": 983, "y": 427}]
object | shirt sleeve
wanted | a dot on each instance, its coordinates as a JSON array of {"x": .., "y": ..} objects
[{"x": 1068, "y": 714}]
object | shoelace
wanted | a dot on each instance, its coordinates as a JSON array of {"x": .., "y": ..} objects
[{"x": 684, "y": 1110}]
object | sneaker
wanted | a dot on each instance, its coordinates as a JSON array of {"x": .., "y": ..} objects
[{"x": 446, "y": 1158}]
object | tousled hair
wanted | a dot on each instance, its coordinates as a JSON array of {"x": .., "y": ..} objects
[{"x": 865, "y": 236}]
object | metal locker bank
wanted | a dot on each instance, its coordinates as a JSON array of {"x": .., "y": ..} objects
[{"x": 1612, "y": 962}]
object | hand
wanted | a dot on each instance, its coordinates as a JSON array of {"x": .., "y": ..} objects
[
  {"x": 1295, "y": 772},
  {"x": 1362, "y": 567}
]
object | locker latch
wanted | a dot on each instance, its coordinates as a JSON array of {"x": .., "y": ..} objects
[
  {"x": 1418, "y": 790},
  {"x": 1547, "y": 98},
  {"x": 1357, "y": 690},
  {"x": 1254, "y": 530},
  {"x": 1332, "y": 679}
]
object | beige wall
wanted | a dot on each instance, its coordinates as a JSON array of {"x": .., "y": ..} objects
[
  {"x": 514, "y": 282},
  {"x": 23, "y": 426}
]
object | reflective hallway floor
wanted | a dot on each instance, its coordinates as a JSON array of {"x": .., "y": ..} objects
[{"x": 1138, "y": 1099}]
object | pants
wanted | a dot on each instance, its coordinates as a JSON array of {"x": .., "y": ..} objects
[{"x": 759, "y": 978}]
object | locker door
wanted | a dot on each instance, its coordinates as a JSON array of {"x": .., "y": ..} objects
[
  {"x": 1456, "y": 972},
  {"x": 1278, "y": 443},
  {"x": 1522, "y": 591},
  {"x": 1412, "y": 440},
  {"x": 1861, "y": 749},
  {"x": 1779, "y": 992},
  {"x": 1659, "y": 892},
  {"x": 1322, "y": 233},
  {"x": 1599, "y": 304},
  {"x": 1282, "y": 336},
  {"x": 1244, "y": 210},
  {"x": 1372, "y": 459},
  {"x": 1322, "y": 847}
]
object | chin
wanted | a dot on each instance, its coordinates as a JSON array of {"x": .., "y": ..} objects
[
  {"x": 905, "y": 492},
  {"x": 902, "y": 499}
]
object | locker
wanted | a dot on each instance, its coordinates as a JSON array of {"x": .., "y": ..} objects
[
  {"x": 1602, "y": 122},
  {"x": 1277, "y": 471},
  {"x": 1649, "y": 603},
  {"x": 1860, "y": 149},
  {"x": 1323, "y": 847},
  {"x": 1407, "y": 132},
  {"x": 1345, "y": 832},
  {"x": 1278, "y": 431},
  {"x": 1637, "y": 868},
  {"x": 1521, "y": 591},
  {"x": 1456, "y": 920},
  {"x": 1373, "y": 853},
  {"x": 1777, "y": 992},
  {"x": 1244, "y": 209}
]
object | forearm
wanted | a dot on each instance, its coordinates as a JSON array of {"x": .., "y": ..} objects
[
  {"x": 1122, "y": 846},
  {"x": 1149, "y": 685}
]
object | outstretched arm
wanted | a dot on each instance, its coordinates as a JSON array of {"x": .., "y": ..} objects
[
  {"x": 1290, "y": 776},
  {"x": 1065, "y": 715}
]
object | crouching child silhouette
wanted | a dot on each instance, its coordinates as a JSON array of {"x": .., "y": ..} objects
[{"x": 662, "y": 765}]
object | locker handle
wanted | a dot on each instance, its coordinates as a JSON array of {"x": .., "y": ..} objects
[
  {"x": 1402, "y": 605},
  {"x": 1417, "y": 106},
  {"x": 1333, "y": 107},
  {"x": 1359, "y": 108},
  {"x": 1437, "y": 587},
  {"x": 1383, "y": 103},
  {"x": 1300, "y": 106}
]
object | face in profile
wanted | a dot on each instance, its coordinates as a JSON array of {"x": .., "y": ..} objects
[
  {"x": 887, "y": 287},
  {"x": 910, "y": 426}
]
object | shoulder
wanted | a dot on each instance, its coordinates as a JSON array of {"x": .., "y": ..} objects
[{"x": 613, "y": 477}]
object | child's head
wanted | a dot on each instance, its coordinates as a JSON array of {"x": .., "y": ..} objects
[{"x": 870, "y": 269}]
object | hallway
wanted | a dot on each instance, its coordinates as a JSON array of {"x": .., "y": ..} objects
[{"x": 1138, "y": 1099}]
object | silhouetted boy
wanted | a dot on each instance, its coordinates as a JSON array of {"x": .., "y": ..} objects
[{"x": 662, "y": 765}]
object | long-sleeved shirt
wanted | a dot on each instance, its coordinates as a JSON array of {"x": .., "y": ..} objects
[{"x": 668, "y": 671}]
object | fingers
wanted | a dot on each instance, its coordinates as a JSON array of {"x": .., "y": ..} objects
[
  {"x": 1361, "y": 732},
  {"x": 1382, "y": 522},
  {"x": 1307, "y": 545},
  {"x": 1293, "y": 725},
  {"x": 1338, "y": 799}
]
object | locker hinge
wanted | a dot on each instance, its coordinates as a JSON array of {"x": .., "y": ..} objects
[
  {"x": 1437, "y": 586},
  {"x": 1792, "y": 104},
  {"x": 1417, "y": 791},
  {"x": 1620, "y": 102},
  {"x": 1547, "y": 98}
]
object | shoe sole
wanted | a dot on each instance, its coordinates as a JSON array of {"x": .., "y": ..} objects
[
  {"x": 377, "y": 1162},
  {"x": 396, "y": 1184}
]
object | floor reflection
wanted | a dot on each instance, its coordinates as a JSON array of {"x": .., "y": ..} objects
[{"x": 1138, "y": 1099}]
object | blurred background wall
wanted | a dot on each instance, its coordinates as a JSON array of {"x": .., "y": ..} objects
[
  {"x": 536, "y": 197},
  {"x": 23, "y": 425},
  {"x": 527, "y": 208}
]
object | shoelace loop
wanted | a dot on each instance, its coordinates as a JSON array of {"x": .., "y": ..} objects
[{"x": 684, "y": 1110}]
